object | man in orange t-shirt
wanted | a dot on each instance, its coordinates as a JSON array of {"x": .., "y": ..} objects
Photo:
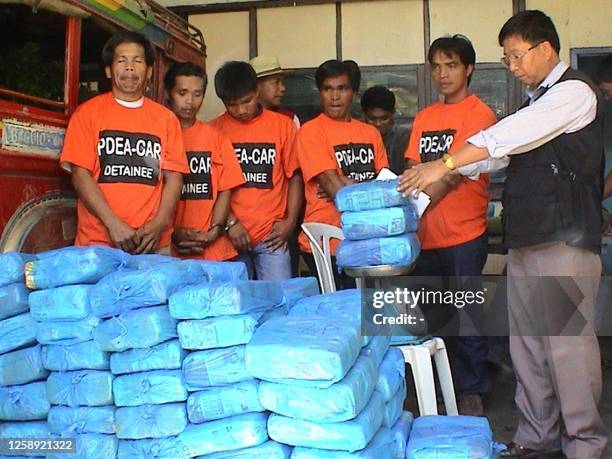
[
  {"x": 266, "y": 208},
  {"x": 453, "y": 229},
  {"x": 199, "y": 224},
  {"x": 126, "y": 156},
  {"x": 334, "y": 150}
]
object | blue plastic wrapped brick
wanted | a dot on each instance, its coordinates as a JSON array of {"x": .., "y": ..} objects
[
  {"x": 16, "y": 332},
  {"x": 24, "y": 403},
  {"x": 339, "y": 402},
  {"x": 70, "y": 302},
  {"x": 150, "y": 421},
  {"x": 140, "y": 329},
  {"x": 297, "y": 288},
  {"x": 125, "y": 290},
  {"x": 303, "y": 350},
  {"x": 154, "y": 448},
  {"x": 267, "y": 450},
  {"x": 73, "y": 265},
  {"x": 66, "y": 420},
  {"x": 376, "y": 194},
  {"x": 159, "y": 386},
  {"x": 215, "y": 367},
  {"x": 450, "y": 436},
  {"x": 22, "y": 366},
  {"x": 222, "y": 331},
  {"x": 164, "y": 356},
  {"x": 12, "y": 267},
  {"x": 225, "y": 298},
  {"x": 223, "y": 402},
  {"x": 31, "y": 429},
  {"x": 221, "y": 271},
  {"x": 90, "y": 446},
  {"x": 377, "y": 348},
  {"x": 391, "y": 373},
  {"x": 350, "y": 435},
  {"x": 66, "y": 332},
  {"x": 225, "y": 434},
  {"x": 80, "y": 356},
  {"x": 369, "y": 224},
  {"x": 13, "y": 300},
  {"x": 400, "y": 250},
  {"x": 80, "y": 388},
  {"x": 148, "y": 260},
  {"x": 395, "y": 406},
  {"x": 401, "y": 432},
  {"x": 379, "y": 448}
]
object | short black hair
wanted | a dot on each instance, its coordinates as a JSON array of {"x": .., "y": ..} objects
[
  {"x": 532, "y": 26},
  {"x": 235, "y": 79},
  {"x": 334, "y": 68},
  {"x": 378, "y": 97},
  {"x": 603, "y": 74},
  {"x": 127, "y": 36},
  {"x": 457, "y": 44},
  {"x": 178, "y": 69}
]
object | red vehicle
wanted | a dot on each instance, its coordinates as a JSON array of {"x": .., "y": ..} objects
[{"x": 50, "y": 64}]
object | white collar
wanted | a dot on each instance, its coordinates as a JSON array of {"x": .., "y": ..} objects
[
  {"x": 131, "y": 104},
  {"x": 550, "y": 79}
]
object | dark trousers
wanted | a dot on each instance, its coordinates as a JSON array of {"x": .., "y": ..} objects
[
  {"x": 343, "y": 281},
  {"x": 467, "y": 354}
]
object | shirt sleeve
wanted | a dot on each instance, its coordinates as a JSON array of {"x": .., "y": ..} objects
[
  {"x": 231, "y": 173},
  {"x": 380, "y": 153},
  {"x": 290, "y": 161},
  {"x": 312, "y": 154},
  {"x": 80, "y": 142},
  {"x": 566, "y": 107},
  {"x": 412, "y": 152},
  {"x": 174, "y": 158}
]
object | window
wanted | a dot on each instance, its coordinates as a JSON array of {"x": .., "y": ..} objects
[{"x": 92, "y": 79}]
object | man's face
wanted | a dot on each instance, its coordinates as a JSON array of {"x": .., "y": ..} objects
[
  {"x": 606, "y": 88},
  {"x": 336, "y": 97},
  {"x": 380, "y": 118},
  {"x": 186, "y": 98},
  {"x": 271, "y": 90},
  {"x": 129, "y": 72},
  {"x": 528, "y": 63},
  {"x": 244, "y": 108},
  {"x": 450, "y": 76}
]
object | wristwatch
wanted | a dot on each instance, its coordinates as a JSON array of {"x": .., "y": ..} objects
[
  {"x": 230, "y": 224},
  {"x": 448, "y": 161}
]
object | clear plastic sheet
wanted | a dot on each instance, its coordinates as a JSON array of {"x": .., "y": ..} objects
[
  {"x": 150, "y": 421},
  {"x": 80, "y": 388},
  {"x": 24, "y": 403},
  {"x": 215, "y": 367},
  {"x": 164, "y": 356},
  {"x": 223, "y": 402},
  {"x": 13, "y": 300},
  {"x": 69, "y": 302},
  {"x": 16, "y": 332},
  {"x": 222, "y": 331},
  {"x": 160, "y": 386},
  {"x": 376, "y": 194},
  {"x": 391, "y": 221},
  {"x": 400, "y": 250},
  {"x": 22, "y": 366},
  {"x": 80, "y": 356},
  {"x": 66, "y": 420}
]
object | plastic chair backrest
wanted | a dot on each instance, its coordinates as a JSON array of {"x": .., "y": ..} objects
[{"x": 319, "y": 235}]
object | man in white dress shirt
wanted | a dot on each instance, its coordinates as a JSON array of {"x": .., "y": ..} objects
[{"x": 553, "y": 146}]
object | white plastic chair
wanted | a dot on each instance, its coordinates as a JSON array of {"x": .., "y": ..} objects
[{"x": 318, "y": 235}]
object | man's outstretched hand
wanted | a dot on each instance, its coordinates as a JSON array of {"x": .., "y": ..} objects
[{"x": 420, "y": 176}]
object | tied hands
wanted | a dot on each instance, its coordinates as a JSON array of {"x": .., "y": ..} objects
[
  {"x": 136, "y": 241},
  {"x": 189, "y": 241}
]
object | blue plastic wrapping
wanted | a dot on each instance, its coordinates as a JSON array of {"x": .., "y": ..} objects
[
  {"x": 222, "y": 331},
  {"x": 297, "y": 288},
  {"x": 225, "y": 434},
  {"x": 31, "y": 429},
  {"x": 221, "y": 271},
  {"x": 125, "y": 290},
  {"x": 377, "y": 348},
  {"x": 154, "y": 448},
  {"x": 450, "y": 436},
  {"x": 16, "y": 332},
  {"x": 159, "y": 386},
  {"x": 139, "y": 329},
  {"x": 66, "y": 332},
  {"x": 164, "y": 356},
  {"x": 69, "y": 302},
  {"x": 215, "y": 367},
  {"x": 341, "y": 401},
  {"x": 12, "y": 267},
  {"x": 24, "y": 403},
  {"x": 90, "y": 446},
  {"x": 395, "y": 406},
  {"x": 400, "y": 250},
  {"x": 22, "y": 366},
  {"x": 148, "y": 260},
  {"x": 66, "y": 420},
  {"x": 267, "y": 450},
  {"x": 401, "y": 432},
  {"x": 13, "y": 300},
  {"x": 150, "y": 421},
  {"x": 278, "y": 311},
  {"x": 81, "y": 356},
  {"x": 350, "y": 435},
  {"x": 211, "y": 299},
  {"x": 73, "y": 265},
  {"x": 391, "y": 373},
  {"x": 223, "y": 402},
  {"x": 303, "y": 350},
  {"x": 376, "y": 194},
  {"x": 80, "y": 388},
  {"x": 378, "y": 448},
  {"x": 369, "y": 224}
]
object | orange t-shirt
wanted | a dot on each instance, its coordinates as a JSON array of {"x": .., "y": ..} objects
[
  {"x": 125, "y": 149},
  {"x": 213, "y": 168},
  {"x": 443, "y": 128},
  {"x": 352, "y": 148},
  {"x": 264, "y": 148}
]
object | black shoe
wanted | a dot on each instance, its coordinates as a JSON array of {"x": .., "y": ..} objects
[{"x": 515, "y": 450}]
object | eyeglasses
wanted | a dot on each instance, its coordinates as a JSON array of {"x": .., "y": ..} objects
[{"x": 514, "y": 58}]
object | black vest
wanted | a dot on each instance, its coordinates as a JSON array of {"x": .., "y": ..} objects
[{"x": 553, "y": 193}]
